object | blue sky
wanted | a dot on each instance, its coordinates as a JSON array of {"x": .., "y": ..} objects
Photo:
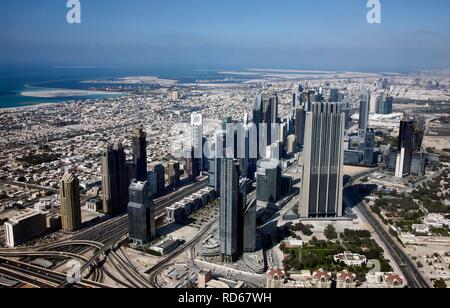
[{"x": 414, "y": 34}]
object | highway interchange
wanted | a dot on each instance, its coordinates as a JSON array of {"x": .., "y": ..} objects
[
  {"x": 102, "y": 241},
  {"x": 98, "y": 245}
]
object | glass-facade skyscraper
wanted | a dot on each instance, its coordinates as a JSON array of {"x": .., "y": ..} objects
[
  {"x": 141, "y": 213},
  {"x": 364, "y": 109},
  {"x": 114, "y": 180},
  {"x": 229, "y": 209},
  {"x": 322, "y": 184},
  {"x": 139, "y": 148}
]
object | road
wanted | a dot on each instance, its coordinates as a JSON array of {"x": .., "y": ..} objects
[
  {"x": 412, "y": 274},
  {"x": 104, "y": 239},
  {"x": 158, "y": 268},
  {"x": 38, "y": 276},
  {"x": 409, "y": 269}
]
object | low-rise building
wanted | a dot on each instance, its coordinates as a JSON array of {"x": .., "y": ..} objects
[
  {"x": 165, "y": 246},
  {"x": 436, "y": 221},
  {"x": 345, "y": 280},
  {"x": 24, "y": 227},
  {"x": 321, "y": 279},
  {"x": 384, "y": 280},
  {"x": 275, "y": 279},
  {"x": 421, "y": 229},
  {"x": 204, "y": 276},
  {"x": 350, "y": 259}
]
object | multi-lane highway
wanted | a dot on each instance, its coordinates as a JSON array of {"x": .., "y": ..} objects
[
  {"x": 102, "y": 239},
  {"x": 412, "y": 274},
  {"x": 407, "y": 266},
  {"x": 38, "y": 276},
  {"x": 158, "y": 268}
]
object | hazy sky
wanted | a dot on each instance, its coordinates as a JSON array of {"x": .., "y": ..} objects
[{"x": 414, "y": 34}]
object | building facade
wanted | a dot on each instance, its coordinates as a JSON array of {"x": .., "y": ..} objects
[
  {"x": 141, "y": 214},
  {"x": 364, "y": 109},
  {"x": 322, "y": 185},
  {"x": 115, "y": 180},
  {"x": 70, "y": 202},
  {"x": 229, "y": 209},
  {"x": 139, "y": 149}
]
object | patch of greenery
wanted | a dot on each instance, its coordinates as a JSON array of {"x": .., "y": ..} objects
[
  {"x": 440, "y": 284},
  {"x": 330, "y": 233},
  {"x": 37, "y": 159},
  {"x": 305, "y": 229}
]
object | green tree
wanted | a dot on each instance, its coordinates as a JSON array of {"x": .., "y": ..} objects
[
  {"x": 330, "y": 233},
  {"x": 440, "y": 284}
]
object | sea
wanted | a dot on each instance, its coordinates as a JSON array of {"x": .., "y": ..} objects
[{"x": 16, "y": 79}]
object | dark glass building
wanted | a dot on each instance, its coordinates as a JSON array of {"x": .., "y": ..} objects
[
  {"x": 160, "y": 171},
  {"x": 364, "y": 108},
  {"x": 268, "y": 181},
  {"x": 139, "y": 149},
  {"x": 229, "y": 209},
  {"x": 406, "y": 141},
  {"x": 322, "y": 184},
  {"x": 141, "y": 214},
  {"x": 173, "y": 173},
  {"x": 249, "y": 216},
  {"x": 114, "y": 180}
]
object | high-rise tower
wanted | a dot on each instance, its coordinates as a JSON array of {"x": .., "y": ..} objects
[
  {"x": 115, "y": 180},
  {"x": 364, "y": 109},
  {"x": 197, "y": 137},
  {"x": 139, "y": 148},
  {"x": 70, "y": 202},
  {"x": 229, "y": 209},
  {"x": 322, "y": 184},
  {"x": 406, "y": 146},
  {"x": 141, "y": 213}
]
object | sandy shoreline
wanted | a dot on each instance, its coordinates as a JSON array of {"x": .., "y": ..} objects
[
  {"x": 61, "y": 93},
  {"x": 28, "y": 106}
]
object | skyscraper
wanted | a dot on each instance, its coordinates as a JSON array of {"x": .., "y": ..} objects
[
  {"x": 160, "y": 171},
  {"x": 300, "y": 118},
  {"x": 192, "y": 164},
  {"x": 322, "y": 184},
  {"x": 406, "y": 143},
  {"x": 214, "y": 162},
  {"x": 173, "y": 173},
  {"x": 197, "y": 137},
  {"x": 376, "y": 100},
  {"x": 334, "y": 96},
  {"x": 297, "y": 99},
  {"x": 139, "y": 149},
  {"x": 229, "y": 209},
  {"x": 70, "y": 202},
  {"x": 274, "y": 119},
  {"x": 249, "y": 236},
  {"x": 115, "y": 180},
  {"x": 368, "y": 149},
  {"x": 265, "y": 117},
  {"x": 258, "y": 119},
  {"x": 364, "y": 111},
  {"x": 386, "y": 105},
  {"x": 268, "y": 180},
  {"x": 246, "y": 149},
  {"x": 141, "y": 214}
]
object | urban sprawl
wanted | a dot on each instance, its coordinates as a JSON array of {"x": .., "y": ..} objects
[{"x": 281, "y": 180}]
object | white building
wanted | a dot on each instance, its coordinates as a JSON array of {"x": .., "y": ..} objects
[
  {"x": 350, "y": 259},
  {"x": 399, "y": 172},
  {"x": 436, "y": 221},
  {"x": 421, "y": 229}
]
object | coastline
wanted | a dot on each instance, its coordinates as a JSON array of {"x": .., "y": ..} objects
[{"x": 30, "y": 106}]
